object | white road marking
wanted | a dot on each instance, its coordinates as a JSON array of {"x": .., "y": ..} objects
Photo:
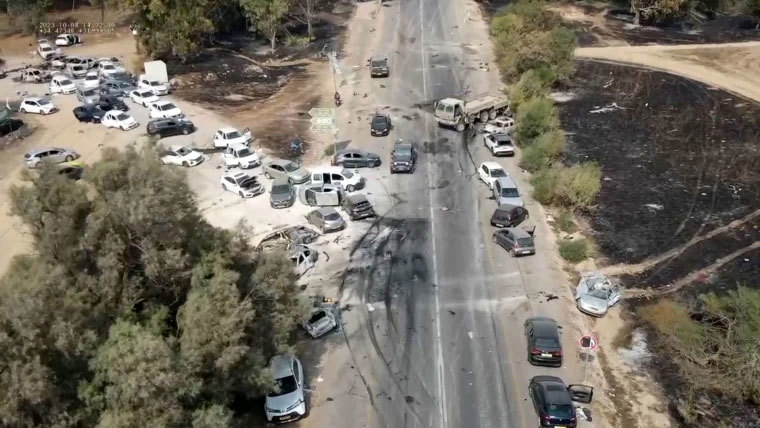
[{"x": 442, "y": 415}]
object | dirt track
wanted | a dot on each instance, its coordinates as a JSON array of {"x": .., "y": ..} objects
[{"x": 734, "y": 67}]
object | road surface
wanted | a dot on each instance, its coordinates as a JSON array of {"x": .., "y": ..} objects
[{"x": 435, "y": 331}]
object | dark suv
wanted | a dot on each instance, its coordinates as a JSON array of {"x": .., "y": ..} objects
[
  {"x": 357, "y": 207},
  {"x": 380, "y": 126},
  {"x": 403, "y": 157},
  {"x": 169, "y": 127},
  {"x": 378, "y": 67},
  {"x": 553, "y": 400},
  {"x": 508, "y": 216}
]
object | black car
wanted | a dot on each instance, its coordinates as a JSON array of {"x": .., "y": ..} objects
[
  {"x": 544, "y": 346},
  {"x": 381, "y": 125},
  {"x": 89, "y": 113},
  {"x": 403, "y": 157},
  {"x": 110, "y": 102},
  {"x": 169, "y": 127},
  {"x": 553, "y": 400},
  {"x": 508, "y": 216},
  {"x": 378, "y": 67},
  {"x": 357, "y": 207},
  {"x": 353, "y": 158}
]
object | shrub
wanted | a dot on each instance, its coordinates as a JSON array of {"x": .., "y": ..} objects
[
  {"x": 574, "y": 251},
  {"x": 562, "y": 44},
  {"x": 544, "y": 185},
  {"x": 579, "y": 185},
  {"x": 294, "y": 40},
  {"x": 535, "y": 117},
  {"x": 544, "y": 151},
  {"x": 565, "y": 221},
  {"x": 532, "y": 84}
]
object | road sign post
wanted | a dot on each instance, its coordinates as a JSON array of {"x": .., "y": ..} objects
[
  {"x": 323, "y": 120},
  {"x": 588, "y": 344}
]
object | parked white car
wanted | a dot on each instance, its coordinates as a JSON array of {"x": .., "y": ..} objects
[
  {"x": 242, "y": 156},
  {"x": 347, "y": 180},
  {"x": 230, "y": 136},
  {"x": 489, "y": 172},
  {"x": 242, "y": 184},
  {"x": 68, "y": 40},
  {"x": 38, "y": 105},
  {"x": 119, "y": 119},
  {"x": 91, "y": 80},
  {"x": 181, "y": 155},
  {"x": 288, "y": 402},
  {"x": 159, "y": 88},
  {"x": 501, "y": 124},
  {"x": 144, "y": 97},
  {"x": 164, "y": 110},
  {"x": 107, "y": 69},
  {"x": 46, "y": 50},
  {"x": 500, "y": 144},
  {"x": 61, "y": 84}
]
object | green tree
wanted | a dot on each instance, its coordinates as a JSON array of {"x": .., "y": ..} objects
[
  {"x": 752, "y": 7},
  {"x": 266, "y": 16},
  {"x": 534, "y": 118},
  {"x": 31, "y": 13},
  {"x": 214, "y": 416}
]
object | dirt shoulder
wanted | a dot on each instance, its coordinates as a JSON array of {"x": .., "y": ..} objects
[{"x": 734, "y": 67}]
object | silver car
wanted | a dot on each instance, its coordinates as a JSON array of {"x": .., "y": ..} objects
[
  {"x": 595, "y": 294},
  {"x": 326, "y": 219},
  {"x": 286, "y": 402},
  {"x": 281, "y": 168},
  {"x": 505, "y": 192},
  {"x": 119, "y": 88},
  {"x": 282, "y": 195},
  {"x": 88, "y": 96},
  {"x": 49, "y": 154},
  {"x": 320, "y": 322}
]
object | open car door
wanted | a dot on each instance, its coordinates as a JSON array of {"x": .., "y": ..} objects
[
  {"x": 581, "y": 393},
  {"x": 614, "y": 295}
]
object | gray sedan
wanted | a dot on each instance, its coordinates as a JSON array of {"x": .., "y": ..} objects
[
  {"x": 118, "y": 88},
  {"x": 353, "y": 158},
  {"x": 281, "y": 168},
  {"x": 283, "y": 195},
  {"x": 87, "y": 96},
  {"x": 326, "y": 219}
]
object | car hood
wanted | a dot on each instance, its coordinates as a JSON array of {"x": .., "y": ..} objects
[
  {"x": 253, "y": 156},
  {"x": 321, "y": 327},
  {"x": 278, "y": 197},
  {"x": 282, "y": 402},
  {"x": 593, "y": 302},
  {"x": 194, "y": 156}
]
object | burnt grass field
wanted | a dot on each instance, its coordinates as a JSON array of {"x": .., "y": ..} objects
[{"x": 678, "y": 160}]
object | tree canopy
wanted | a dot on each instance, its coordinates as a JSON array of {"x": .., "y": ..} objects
[{"x": 133, "y": 310}]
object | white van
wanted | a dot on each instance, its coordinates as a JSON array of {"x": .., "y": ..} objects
[{"x": 348, "y": 180}]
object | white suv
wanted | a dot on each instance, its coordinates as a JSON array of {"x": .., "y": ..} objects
[{"x": 348, "y": 180}]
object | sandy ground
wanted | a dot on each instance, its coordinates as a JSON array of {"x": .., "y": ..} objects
[{"x": 734, "y": 67}]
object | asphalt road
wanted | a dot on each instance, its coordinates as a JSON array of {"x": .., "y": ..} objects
[{"x": 438, "y": 341}]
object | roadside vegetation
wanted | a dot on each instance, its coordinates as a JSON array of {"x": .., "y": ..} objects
[
  {"x": 713, "y": 340},
  {"x": 535, "y": 54},
  {"x": 659, "y": 11},
  {"x": 167, "y": 29},
  {"x": 132, "y": 310}
]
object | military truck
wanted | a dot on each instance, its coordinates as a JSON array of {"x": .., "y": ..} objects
[{"x": 459, "y": 114}]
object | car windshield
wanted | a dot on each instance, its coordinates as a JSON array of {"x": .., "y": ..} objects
[
  {"x": 285, "y": 385},
  {"x": 290, "y": 167},
  {"x": 233, "y": 134},
  {"x": 524, "y": 242},
  {"x": 317, "y": 316},
  {"x": 91, "y": 77},
  {"x": 88, "y": 93},
  {"x": 503, "y": 141},
  {"x": 510, "y": 192},
  {"x": 599, "y": 293},
  {"x": 379, "y": 120},
  {"x": 184, "y": 151},
  {"x": 65, "y": 82},
  {"x": 332, "y": 217},
  {"x": 563, "y": 411},
  {"x": 379, "y": 63},
  {"x": 546, "y": 343},
  {"x": 280, "y": 189},
  {"x": 498, "y": 172},
  {"x": 146, "y": 94},
  {"x": 44, "y": 102},
  {"x": 249, "y": 182},
  {"x": 123, "y": 116},
  {"x": 46, "y": 49},
  {"x": 168, "y": 106},
  {"x": 244, "y": 152},
  {"x": 347, "y": 174},
  {"x": 155, "y": 83}
]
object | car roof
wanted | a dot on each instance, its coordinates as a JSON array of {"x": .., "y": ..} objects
[
  {"x": 92, "y": 73},
  {"x": 227, "y": 130},
  {"x": 378, "y": 114},
  {"x": 492, "y": 165},
  {"x": 544, "y": 326},
  {"x": 278, "y": 161},
  {"x": 280, "y": 181},
  {"x": 326, "y": 210},
  {"x": 344, "y": 151},
  {"x": 518, "y": 232},
  {"x": 163, "y": 121},
  {"x": 507, "y": 207},
  {"x": 506, "y": 182},
  {"x": 161, "y": 103},
  {"x": 44, "y": 149},
  {"x": 281, "y": 366}
]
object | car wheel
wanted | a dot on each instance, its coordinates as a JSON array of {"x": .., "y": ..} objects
[
  {"x": 290, "y": 181},
  {"x": 267, "y": 175},
  {"x": 185, "y": 164},
  {"x": 372, "y": 164},
  {"x": 68, "y": 158},
  {"x": 163, "y": 162},
  {"x": 460, "y": 127},
  {"x": 493, "y": 238},
  {"x": 512, "y": 252},
  {"x": 224, "y": 187},
  {"x": 185, "y": 131},
  {"x": 22, "y": 110},
  {"x": 241, "y": 194},
  {"x": 308, "y": 240},
  {"x": 350, "y": 188}
]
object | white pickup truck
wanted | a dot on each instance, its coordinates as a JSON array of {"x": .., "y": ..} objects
[{"x": 460, "y": 114}]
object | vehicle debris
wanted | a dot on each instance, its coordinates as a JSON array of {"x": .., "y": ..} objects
[{"x": 595, "y": 294}]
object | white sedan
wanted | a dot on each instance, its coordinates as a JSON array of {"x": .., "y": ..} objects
[
  {"x": 242, "y": 156},
  {"x": 180, "y": 155},
  {"x": 242, "y": 184},
  {"x": 157, "y": 87},
  {"x": 490, "y": 172},
  {"x": 163, "y": 110},
  {"x": 144, "y": 97},
  {"x": 119, "y": 119},
  {"x": 68, "y": 40},
  {"x": 226, "y": 137},
  {"x": 91, "y": 80},
  {"x": 61, "y": 84},
  {"x": 500, "y": 125}
]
